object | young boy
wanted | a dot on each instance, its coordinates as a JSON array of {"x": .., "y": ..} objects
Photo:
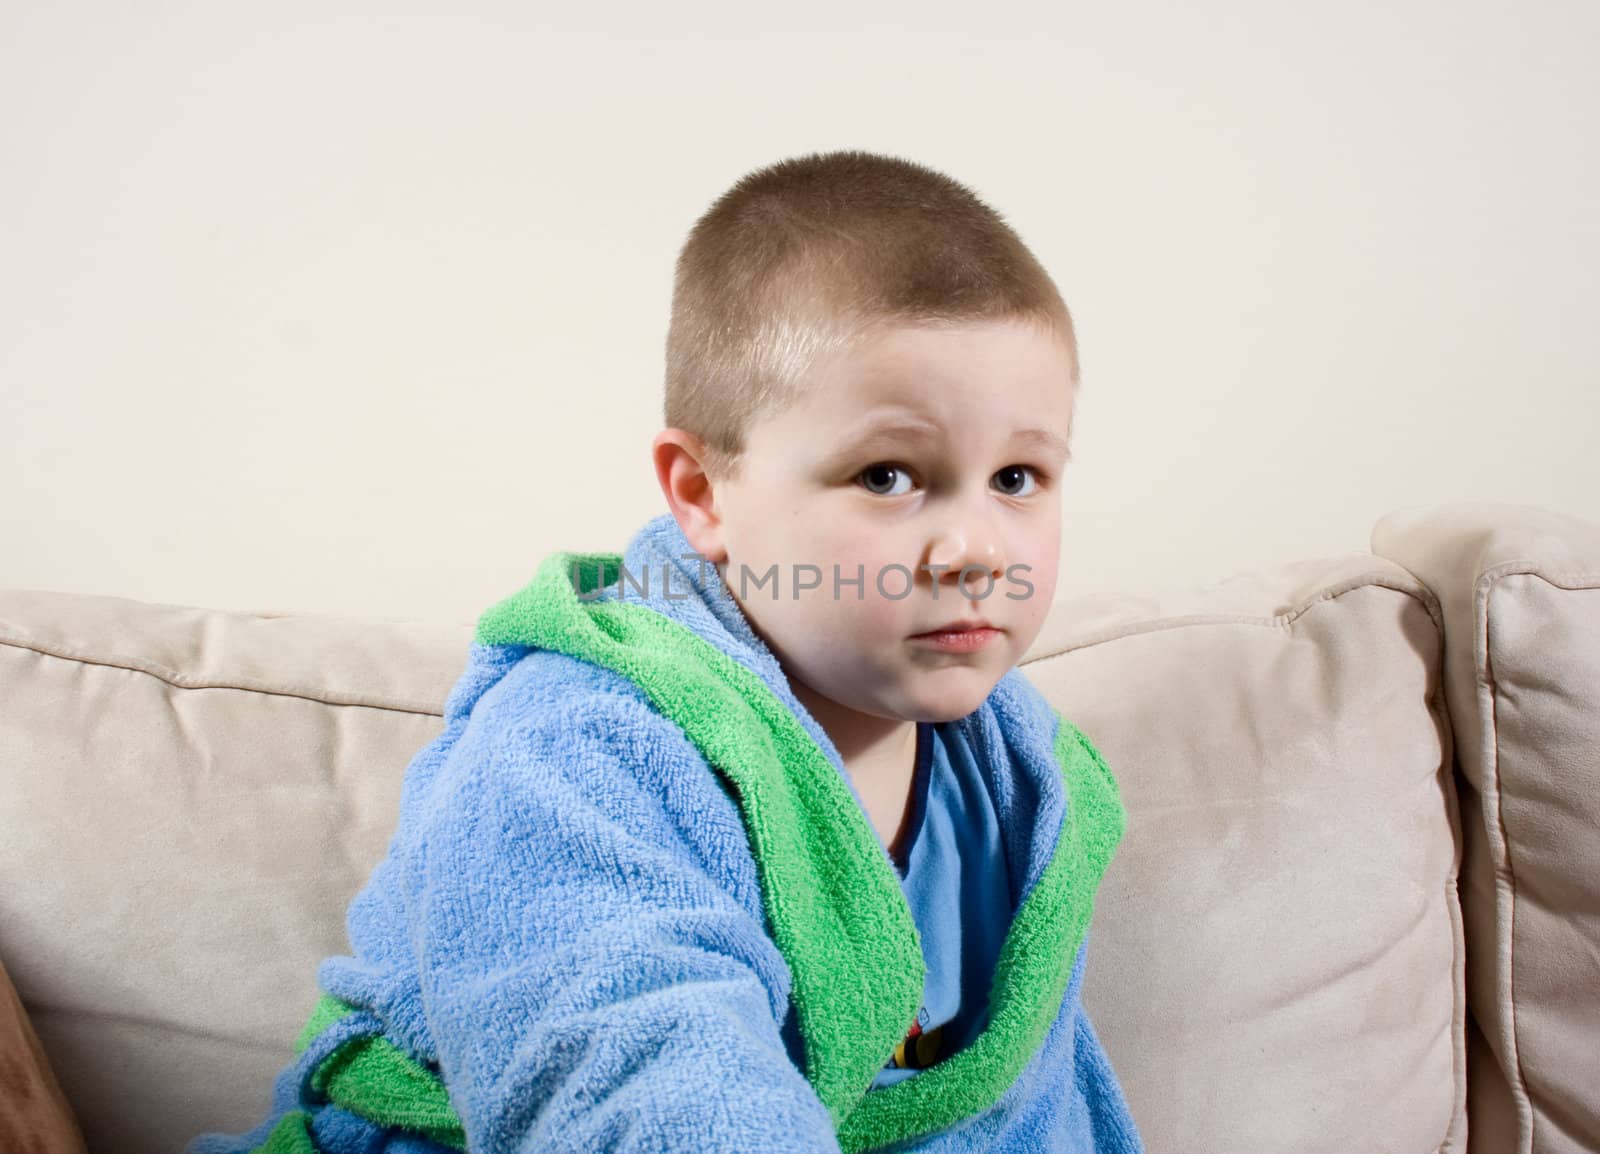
[{"x": 754, "y": 837}]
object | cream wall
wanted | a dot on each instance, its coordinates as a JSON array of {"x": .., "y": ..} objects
[{"x": 360, "y": 307}]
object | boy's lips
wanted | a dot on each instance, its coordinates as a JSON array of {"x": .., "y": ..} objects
[
  {"x": 967, "y": 636},
  {"x": 962, "y": 626}
]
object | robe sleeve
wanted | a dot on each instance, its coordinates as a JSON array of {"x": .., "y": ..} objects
[{"x": 588, "y": 980}]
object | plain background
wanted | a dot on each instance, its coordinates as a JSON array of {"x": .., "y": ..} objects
[{"x": 360, "y": 307}]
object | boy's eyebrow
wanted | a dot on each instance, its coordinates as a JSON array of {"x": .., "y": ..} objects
[
  {"x": 892, "y": 425},
  {"x": 1044, "y": 439},
  {"x": 897, "y": 425}
]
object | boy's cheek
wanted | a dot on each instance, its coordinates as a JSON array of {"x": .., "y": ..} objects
[{"x": 1030, "y": 592}]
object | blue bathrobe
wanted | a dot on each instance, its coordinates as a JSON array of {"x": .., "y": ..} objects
[{"x": 633, "y": 903}]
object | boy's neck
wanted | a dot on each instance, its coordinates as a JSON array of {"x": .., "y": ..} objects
[
  {"x": 860, "y": 738},
  {"x": 879, "y": 754}
]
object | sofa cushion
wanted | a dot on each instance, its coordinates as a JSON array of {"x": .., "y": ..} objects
[
  {"x": 191, "y": 798},
  {"x": 1520, "y": 588},
  {"x": 1276, "y": 956}
]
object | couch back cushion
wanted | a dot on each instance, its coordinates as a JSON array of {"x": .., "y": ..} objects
[
  {"x": 193, "y": 797},
  {"x": 1276, "y": 956},
  {"x": 1520, "y": 588},
  {"x": 190, "y": 798}
]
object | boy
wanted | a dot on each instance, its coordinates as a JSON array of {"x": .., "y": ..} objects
[{"x": 754, "y": 838}]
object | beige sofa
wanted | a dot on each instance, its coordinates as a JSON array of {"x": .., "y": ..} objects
[{"x": 1356, "y": 908}]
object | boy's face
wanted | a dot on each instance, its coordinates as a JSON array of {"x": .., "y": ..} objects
[{"x": 969, "y": 489}]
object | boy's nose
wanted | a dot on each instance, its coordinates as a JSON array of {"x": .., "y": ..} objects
[{"x": 974, "y": 549}]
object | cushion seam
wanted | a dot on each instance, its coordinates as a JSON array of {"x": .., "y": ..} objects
[{"x": 179, "y": 681}]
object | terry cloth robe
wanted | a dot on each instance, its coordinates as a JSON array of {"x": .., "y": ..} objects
[{"x": 634, "y": 903}]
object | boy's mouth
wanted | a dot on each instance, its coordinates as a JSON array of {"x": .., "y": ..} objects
[
  {"x": 966, "y": 624},
  {"x": 960, "y": 636}
]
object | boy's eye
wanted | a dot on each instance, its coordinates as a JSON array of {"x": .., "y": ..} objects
[
  {"x": 1014, "y": 476},
  {"x": 881, "y": 479}
]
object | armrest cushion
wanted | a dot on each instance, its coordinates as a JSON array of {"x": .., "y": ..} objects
[{"x": 34, "y": 1112}]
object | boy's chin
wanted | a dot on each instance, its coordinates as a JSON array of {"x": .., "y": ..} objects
[{"x": 953, "y": 703}]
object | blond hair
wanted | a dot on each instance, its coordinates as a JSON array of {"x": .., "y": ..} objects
[{"x": 811, "y": 255}]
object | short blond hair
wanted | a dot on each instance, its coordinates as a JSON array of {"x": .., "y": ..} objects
[{"x": 810, "y": 255}]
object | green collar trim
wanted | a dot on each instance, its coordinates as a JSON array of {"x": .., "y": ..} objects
[
  {"x": 1032, "y": 974},
  {"x": 836, "y": 909}
]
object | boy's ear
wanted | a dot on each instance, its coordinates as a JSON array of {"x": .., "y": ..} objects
[{"x": 678, "y": 457}]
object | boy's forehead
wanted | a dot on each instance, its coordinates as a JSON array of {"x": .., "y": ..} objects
[
  {"x": 990, "y": 369},
  {"x": 965, "y": 354}
]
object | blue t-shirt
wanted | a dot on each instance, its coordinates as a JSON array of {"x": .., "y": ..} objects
[{"x": 952, "y": 870}]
